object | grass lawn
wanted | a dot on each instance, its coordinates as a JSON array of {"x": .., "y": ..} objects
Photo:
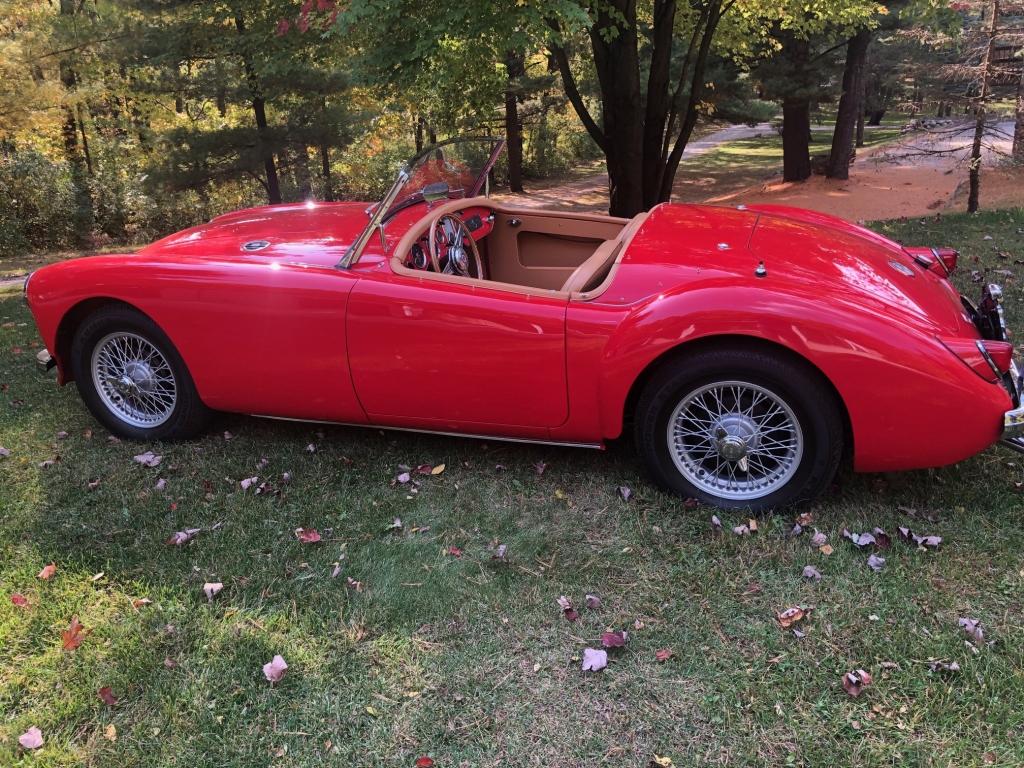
[{"x": 456, "y": 655}]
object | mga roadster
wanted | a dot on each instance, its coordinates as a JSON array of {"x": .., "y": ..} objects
[{"x": 748, "y": 349}]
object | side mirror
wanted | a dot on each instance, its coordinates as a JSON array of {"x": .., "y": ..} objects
[{"x": 436, "y": 191}]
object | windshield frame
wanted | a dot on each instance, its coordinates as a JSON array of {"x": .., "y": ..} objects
[{"x": 382, "y": 211}]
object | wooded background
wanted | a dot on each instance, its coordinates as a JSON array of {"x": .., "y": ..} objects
[{"x": 123, "y": 120}]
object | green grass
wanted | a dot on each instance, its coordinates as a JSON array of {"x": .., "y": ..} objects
[{"x": 469, "y": 659}]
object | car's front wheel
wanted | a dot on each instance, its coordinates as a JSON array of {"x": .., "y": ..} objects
[
  {"x": 740, "y": 429},
  {"x": 132, "y": 378}
]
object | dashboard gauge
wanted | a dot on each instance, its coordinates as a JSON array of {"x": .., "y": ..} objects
[{"x": 419, "y": 257}]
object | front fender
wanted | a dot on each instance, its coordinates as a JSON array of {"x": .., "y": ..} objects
[{"x": 899, "y": 386}]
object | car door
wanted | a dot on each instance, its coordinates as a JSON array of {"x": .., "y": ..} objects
[{"x": 430, "y": 353}]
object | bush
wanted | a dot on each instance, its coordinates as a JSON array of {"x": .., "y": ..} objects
[{"x": 37, "y": 203}]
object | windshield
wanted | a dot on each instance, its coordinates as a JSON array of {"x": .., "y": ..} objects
[
  {"x": 453, "y": 169},
  {"x": 461, "y": 164}
]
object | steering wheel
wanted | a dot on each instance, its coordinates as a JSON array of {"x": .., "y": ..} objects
[{"x": 452, "y": 242}]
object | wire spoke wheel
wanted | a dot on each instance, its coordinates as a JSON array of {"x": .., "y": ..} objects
[
  {"x": 133, "y": 379},
  {"x": 735, "y": 440}
]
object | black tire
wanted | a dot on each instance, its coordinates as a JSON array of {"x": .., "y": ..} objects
[
  {"x": 189, "y": 415},
  {"x": 796, "y": 385}
]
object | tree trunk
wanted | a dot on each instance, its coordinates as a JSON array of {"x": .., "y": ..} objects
[
  {"x": 85, "y": 141},
  {"x": 418, "y": 132},
  {"x": 846, "y": 118},
  {"x": 1018, "y": 129},
  {"x": 515, "y": 68},
  {"x": 325, "y": 172},
  {"x": 82, "y": 216},
  {"x": 796, "y": 126},
  {"x": 980, "y": 114},
  {"x": 860, "y": 125},
  {"x": 260, "y": 114}
]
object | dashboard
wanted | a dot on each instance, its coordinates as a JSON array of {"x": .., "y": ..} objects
[{"x": 479, "y": 222}]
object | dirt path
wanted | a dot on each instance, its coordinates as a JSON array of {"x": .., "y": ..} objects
[
  {"x": 923, "y": 174},
  {"x": 590, "y": 193},
  {"x": 891, "y": 181}
]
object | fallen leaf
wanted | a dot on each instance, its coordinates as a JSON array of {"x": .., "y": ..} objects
[
  {"x": 437, "y": 470},
  {"x": 356, "y": 585},
  {"x": 140, "y": 602},
  {"x": 110, "y": 732},
  {"x": 248, "y": 482},
  {"x": 31, "y": 739},
  {"x": 211, "y": 588},
  {"x": 973, "y": 629},
  {"x": 47, "y": 464},
  {"x": 855, "y": 682},
  {"x": 804, "y": 519},
  {"x": 92, "y": 485},
  {"x": 454, "y": 551},
  {"x": 663, "y": 654},
  {"x": 228, "y": 435},
  {"x": 826, "y": 549},
  {"x": 594, "y": 660},
  {"x": 336, "y": 571},
  {"x": 793, "y": 615},
  {"x": 107, "y": 696},
  {"x": 539, "y": 467},
  {"x": 403, "y": 478},
  {"x": 716, "y": 524},
  {"x": 4, "y": 452},
  {"x": 859, "y": 539},
  {"x": 182, "y": 537},
  {"x": 62, "y": 435},
  {"x": 811, "y": 573},
  {"x": 567, "y": 609},
  {"x": 424, "y": 762},
  {"x": 927, "y": 542},
  {"x": 500, "y": 552},
  {"x": 47, "y": 572},
  {"x": 614, "y": 639},
  {"x": 882, "y": 539},
  {"x": 19, "y": 600},
  {"x": 659, "y": 761},
  {"x": 311, "y": 448},
  {"x": 307, "y": 535},
  {"x": 943, "y": 666},
  {"x": 625, "y": 492},
  {"x": 160, "y": 485},
  {"x": 148, "y": 459},
  {"x": 741, "y": 530},
  {"x": 876, "y": 563},
  {"x": 752, "y": 524},
  {"x": 818, "y": 539},
  {"x": 396, "y": 525},
  {"x": 274, "y": 669},
  {"x": 593, "y": 602},
  {"x": 73, "y": 636}
]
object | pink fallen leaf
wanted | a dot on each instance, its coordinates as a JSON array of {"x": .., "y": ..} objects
[
  {"x": 811, "y": 573},
  {"x": 107, "y": 696},
  {"x": 973, "y": 629},
  {"x": 47, "y": 572},
  {"x": 19, "y": 600},
  {"x": 454, "y": 551},
  {"x": 248, "y": 482},
  {"x": 336, "y": 571},
  {"x": 148, "y": 459},
  {"x": 424, "y": 762},
  {"x": 539, "y": 467},
  {"x": 31, "y": 739},
  {"x": 178, "y": 538},
  {"x": 211, "y": 588},
  {"x": 160, "y": 485},
  {"x": 228, "y": 435},
  {"x": 353, "y": 584},
  {"x": 855, "y": 682},
  {"x": 567, "y": 609},
  {"x": 274, "y": 669},
  {"x": 859, "y": 539},
  {"x": 593, "y": 602},
  {"x": 818, "y": 539},
  {"x": 4, "y": 452},
  {"x": 663, "y": 654},
  {"x": 500, "y": 552},
  {"x": 876, "y": 563},
  {"x": 594, "y": 660},
  {"x": 614, "y": 639},
  {"x": 62, "y": 435},
  {"x": 307, "y": 535},
  {"x": 403, "y": 478}
]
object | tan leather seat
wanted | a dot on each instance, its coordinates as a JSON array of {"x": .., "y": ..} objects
[{"x": 593, "y": 268}]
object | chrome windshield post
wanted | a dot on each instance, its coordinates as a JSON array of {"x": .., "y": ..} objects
[{"x": 376, "y": 218}]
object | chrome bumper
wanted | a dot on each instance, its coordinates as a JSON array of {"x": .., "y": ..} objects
[
  {"x": 1013, "y": 421},
  {"x": 44, "y": 361}
]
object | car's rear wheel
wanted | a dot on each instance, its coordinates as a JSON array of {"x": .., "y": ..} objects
[
  {"x": 132, "y": 378},
  {"x": 740, "y": 429}
]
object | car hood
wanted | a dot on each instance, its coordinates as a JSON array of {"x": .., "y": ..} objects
[
  {"x": 801, "y": 251},
  {"x": 302, "y": 233}
]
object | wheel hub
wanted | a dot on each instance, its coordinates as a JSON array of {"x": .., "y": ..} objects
[
  {"x": 133, "y": 379},
  {"x": 735, "y": 435}
]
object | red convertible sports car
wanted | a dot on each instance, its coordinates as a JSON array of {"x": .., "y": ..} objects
[{"x": 748, "y": 349}]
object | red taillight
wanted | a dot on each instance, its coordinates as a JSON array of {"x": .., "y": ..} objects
[
  {"x": 976, "y": 354},
  {"x": 948, "y": 257}
]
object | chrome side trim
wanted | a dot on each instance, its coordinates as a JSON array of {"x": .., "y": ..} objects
[{"x": 471, "y": 436}]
